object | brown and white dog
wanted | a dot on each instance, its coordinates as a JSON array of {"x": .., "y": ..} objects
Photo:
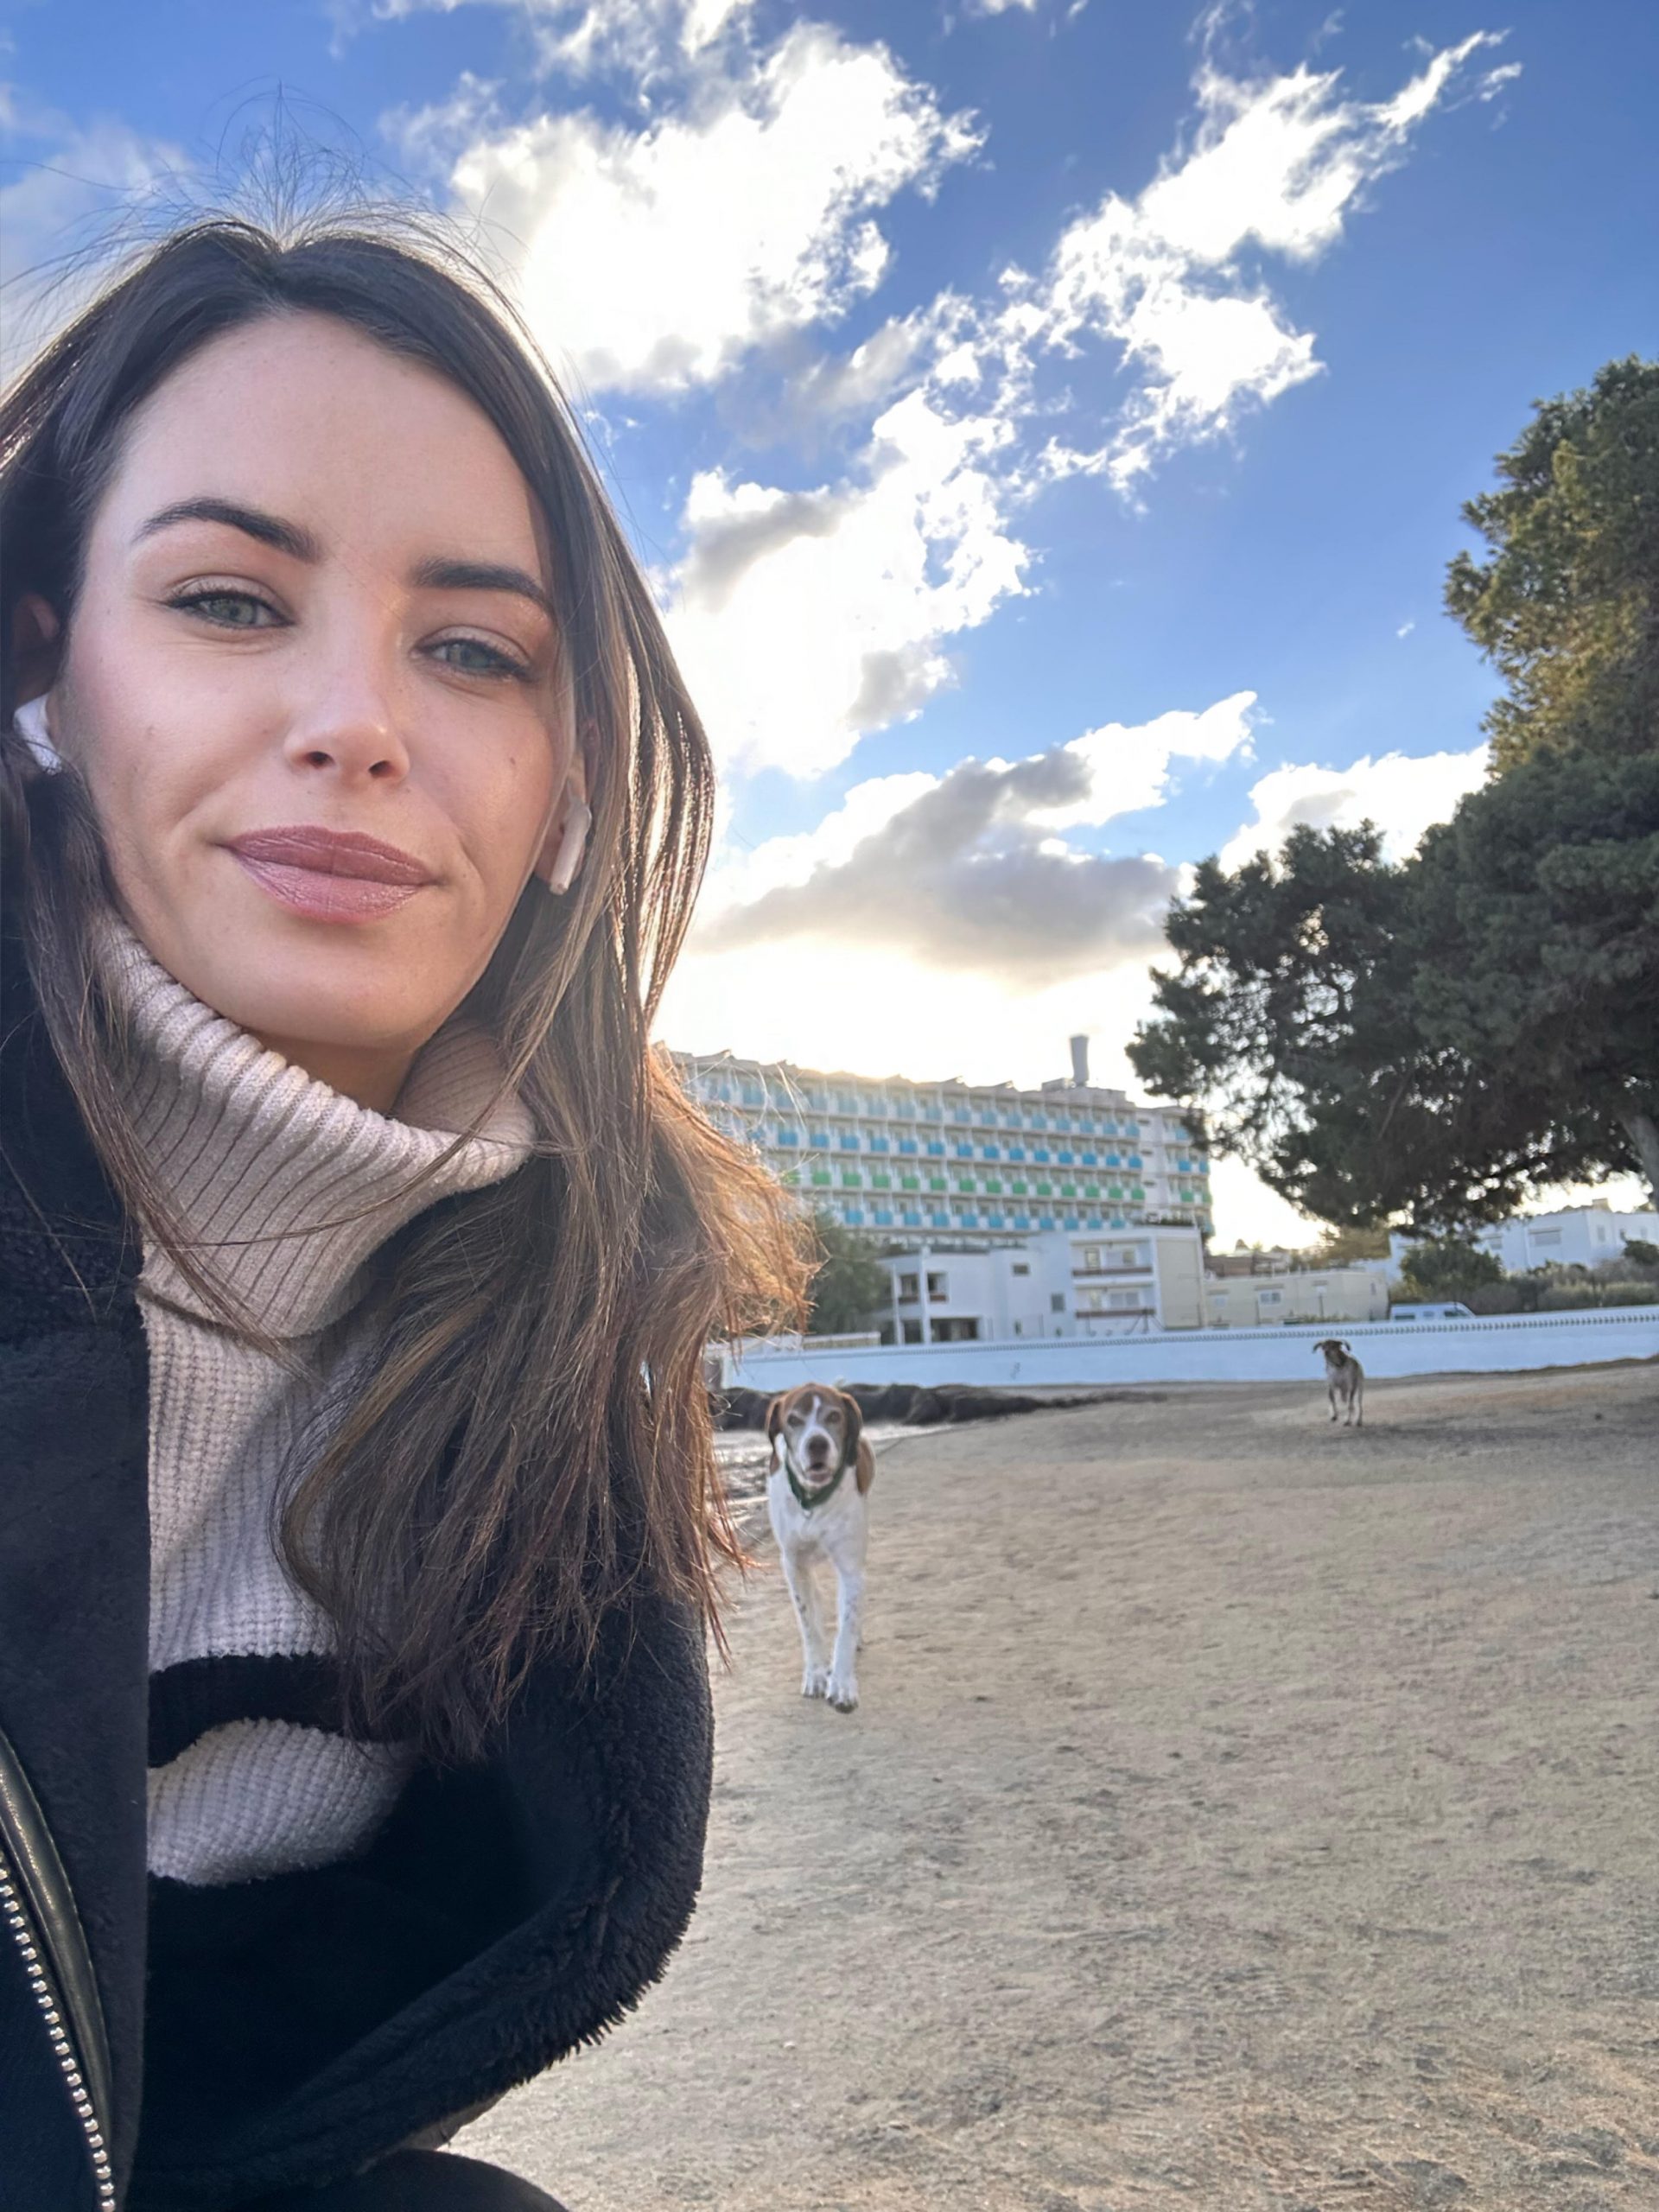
[
  {"x": 817, "y": 1498},
  {"x": 1344, "y": 1381}
]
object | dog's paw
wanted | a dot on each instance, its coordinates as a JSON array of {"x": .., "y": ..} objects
[
  {"x": 843, "y": 1696},
  {"x": 814, "y": 1681}
]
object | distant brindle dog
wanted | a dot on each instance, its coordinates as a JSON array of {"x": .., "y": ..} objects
[{"x": 1344, "y": 1382}]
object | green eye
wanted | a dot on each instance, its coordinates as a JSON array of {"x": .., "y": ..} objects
[
  {"x": 485, "y": 660},
  {"x": 229, "y": 610}
]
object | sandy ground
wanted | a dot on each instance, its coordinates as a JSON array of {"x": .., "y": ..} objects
[{"x": 1241, "y": 1812}]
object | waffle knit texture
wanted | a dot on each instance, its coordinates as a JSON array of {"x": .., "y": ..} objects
[{"x": 285, "y": 1189}]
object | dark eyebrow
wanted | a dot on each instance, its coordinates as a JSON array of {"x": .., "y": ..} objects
[
  {"x": 287, "y": 537},
  {"x": 483, "y": 576},
  {"x": 302, "y": 544}
]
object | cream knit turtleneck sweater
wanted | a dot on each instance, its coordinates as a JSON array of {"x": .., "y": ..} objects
[{"x": 263, "y": 1164}]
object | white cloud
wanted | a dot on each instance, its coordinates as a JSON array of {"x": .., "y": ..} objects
[
  {"x": 742, "y": 218},
  {"x": 580, "y": 37},
  {"x": 968, "y": 869},
  {"x": 1130, "y": 768},
  {"x": 1173, "y": 277},
  {"x": 1402, "y": 795},
  {"x": 1405, "y": 629},
  {"x": 67, "y": 213},
  {"x": 804, "y": 619},
  {"x": 655, "y": 259}
]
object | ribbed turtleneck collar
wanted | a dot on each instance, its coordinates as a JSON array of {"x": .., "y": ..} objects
[{"x": 264, "y": 1162}]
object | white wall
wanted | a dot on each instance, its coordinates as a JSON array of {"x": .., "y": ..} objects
[{"x": 1504, "y": 1343}]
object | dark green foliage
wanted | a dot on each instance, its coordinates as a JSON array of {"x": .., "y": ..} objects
[
  {"x": 1645, "y": 1254},
  {"x": 850, "y": 1286},
  {"x": 1435, "y": 1041},
  {"x": 1447, "y": 1266},
  {"x": 1567, "y": 602}
]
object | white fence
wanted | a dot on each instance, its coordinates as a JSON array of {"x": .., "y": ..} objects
[{"x": 1504, "y": 1343}]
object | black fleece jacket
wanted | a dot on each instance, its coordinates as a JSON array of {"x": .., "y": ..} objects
[{"x": 299, "y": 2026}]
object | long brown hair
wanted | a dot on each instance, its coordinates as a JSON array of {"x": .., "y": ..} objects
[{"x": 533, "y": 1434}]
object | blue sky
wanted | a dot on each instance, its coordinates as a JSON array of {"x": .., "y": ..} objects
[{"x": 1046, "y": 424}]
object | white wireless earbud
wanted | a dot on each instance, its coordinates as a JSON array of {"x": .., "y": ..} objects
[
  {"x": 577, "y": 822},
  {"x": 29, "y": 722}
]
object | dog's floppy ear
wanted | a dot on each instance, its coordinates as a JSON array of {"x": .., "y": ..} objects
[
  {"x": 855, "y": 1419},
  {"x": 775, "y": 1415}
]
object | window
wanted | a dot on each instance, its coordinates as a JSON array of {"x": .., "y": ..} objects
[
  {"x": 1057, "y": 1301},
  {"x": 1091, "y": 1257},
  {"x": 1021, "y": 1268},
  {"x": 910, "y": 1182},
  {"x": 851, "y": 1179},
  {"x": 909, "y": 1287},
  {"x": 939, "y": 1285},
  {"x": 1270, "y": 1297}
]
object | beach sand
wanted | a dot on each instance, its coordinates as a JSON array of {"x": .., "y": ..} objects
[{"x": 1242, "y": 1813}]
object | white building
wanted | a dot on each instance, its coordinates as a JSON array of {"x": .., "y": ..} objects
[
  {"x": 1575, "y": 1236},
  {"x": 983, "y": 1163},
  {"x": 1359, "y": 1292},
  {"x": 1060, "y": 1283}
]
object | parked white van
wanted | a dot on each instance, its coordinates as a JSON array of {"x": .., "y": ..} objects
[{"x": 1449, "y": 1310}]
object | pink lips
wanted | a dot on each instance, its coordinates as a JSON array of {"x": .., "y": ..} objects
[{"x": 331, "y": 875}]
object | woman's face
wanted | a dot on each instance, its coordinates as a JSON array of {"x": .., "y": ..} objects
[{"x": 312, "y": 682}]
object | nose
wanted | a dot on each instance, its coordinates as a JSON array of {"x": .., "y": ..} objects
[{"x": 350, "y": 731}]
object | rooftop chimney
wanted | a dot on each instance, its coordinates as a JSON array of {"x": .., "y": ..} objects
[{"x": 1080, "y": 1061}]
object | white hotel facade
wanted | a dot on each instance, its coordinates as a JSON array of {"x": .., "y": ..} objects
[{"x": 979, "y": 1164}]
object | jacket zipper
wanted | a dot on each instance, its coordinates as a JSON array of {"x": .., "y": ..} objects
[{"x": 40, "y": 1916}]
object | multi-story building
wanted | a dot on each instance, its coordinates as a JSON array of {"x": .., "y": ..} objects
[
  {"x": 1572, "y": 1236},
  {"x": 983, "y": 1163},
  {"x": 1056, "y": 1284}
]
